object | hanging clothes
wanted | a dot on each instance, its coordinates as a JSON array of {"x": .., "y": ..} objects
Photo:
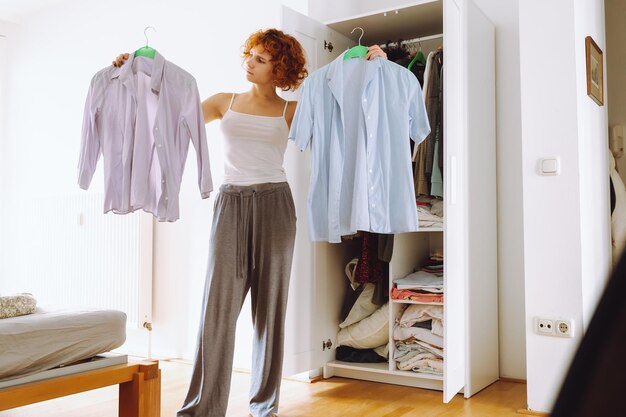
[
  {"x": 417, "y": 69},
  {"x": 356, "y": 115},
  {"x": 436, "y": 178},
  {"x": 370, "y": 268},
  {"x": 140, "y": 118},
  {"x": 421, "y": 184},
  {"x": 424, "y": 155}
]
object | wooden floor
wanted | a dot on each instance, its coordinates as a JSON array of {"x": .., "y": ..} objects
[{"x": 335, "y": 397}]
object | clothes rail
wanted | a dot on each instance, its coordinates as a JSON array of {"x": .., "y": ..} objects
[{"x": 414, "y": 40}]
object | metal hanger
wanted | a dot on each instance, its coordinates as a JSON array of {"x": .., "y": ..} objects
[
  {"x": 146, "y": 51},
  {"x": 358, "y": 51}
]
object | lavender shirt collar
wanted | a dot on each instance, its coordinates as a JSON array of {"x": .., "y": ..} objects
[{"x": 125, "y": 73}]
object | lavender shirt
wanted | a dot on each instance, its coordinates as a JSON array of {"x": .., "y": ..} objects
[{"x": 140, "y": 117}]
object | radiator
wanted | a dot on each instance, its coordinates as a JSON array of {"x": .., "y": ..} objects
[{"x": 67, "y": 253}]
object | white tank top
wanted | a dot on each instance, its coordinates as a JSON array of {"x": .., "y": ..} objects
[{"x": 255, "y": 147}]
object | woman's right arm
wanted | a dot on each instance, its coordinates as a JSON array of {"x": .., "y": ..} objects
[{"x": 213, "y": 107}]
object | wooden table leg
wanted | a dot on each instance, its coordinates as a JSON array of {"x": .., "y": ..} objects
[{"x": 141, "y": 397}]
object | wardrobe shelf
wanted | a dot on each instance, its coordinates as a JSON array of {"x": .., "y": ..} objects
[
  {"x": 380, "y": 367},
  {"x": 429, "y": 229},
  {"x": 417, "y": 375}
]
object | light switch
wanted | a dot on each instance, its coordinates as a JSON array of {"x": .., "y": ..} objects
[{"x": 550, "y": 166}]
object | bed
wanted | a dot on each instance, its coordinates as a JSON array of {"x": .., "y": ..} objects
[{"x": 53, "y": 353}]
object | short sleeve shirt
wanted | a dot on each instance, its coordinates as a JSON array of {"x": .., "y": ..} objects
[{"x": 357, "y": 116}]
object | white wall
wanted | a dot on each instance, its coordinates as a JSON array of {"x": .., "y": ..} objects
[
  {"x": 594, "y": 167},
  {"x": 504, "y": 15},
  {"x": 563, "y": 272},
  {"x": 615, "y": 54},
  {"x": 56, "y": 53},
  {"x": 7, "y": 31},
  {"x": 4, "y": 57}
]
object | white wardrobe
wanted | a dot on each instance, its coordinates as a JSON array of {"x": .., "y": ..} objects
[{"x": 468, "y": 239}]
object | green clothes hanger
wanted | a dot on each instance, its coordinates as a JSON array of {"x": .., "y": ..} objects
[
  {"x": 419, "y": 56},
  {"x": 358, "y": 51},
  {"x": 146, "y": 50}
]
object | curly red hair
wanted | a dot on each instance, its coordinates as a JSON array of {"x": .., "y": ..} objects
[{"x": 287, "y": 56}]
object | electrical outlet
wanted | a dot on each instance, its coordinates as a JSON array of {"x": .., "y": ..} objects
[
  {"x": 564, "y": 328},
  {"x": 554, "y": 327},
  {"x": 544, "y": 326}
]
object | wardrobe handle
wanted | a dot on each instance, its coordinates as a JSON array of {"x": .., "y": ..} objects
[
  {"x": 327, "y": 344},
  {"x": 453, "y": 179}
]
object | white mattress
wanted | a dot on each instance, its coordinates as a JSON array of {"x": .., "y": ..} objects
[{"x": 51, "y": 338}]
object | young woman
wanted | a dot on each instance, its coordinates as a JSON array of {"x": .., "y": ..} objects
[{"x": 253, "y": 230}]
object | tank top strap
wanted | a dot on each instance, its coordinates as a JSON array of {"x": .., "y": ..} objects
[
  {"x": 285, "y": 109},
  {"x": 230, "y": 106}
]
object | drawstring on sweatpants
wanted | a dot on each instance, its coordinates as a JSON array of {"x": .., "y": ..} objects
[
  {"x": 242, "y": 234},
  {"x": 253, "y": 229}
]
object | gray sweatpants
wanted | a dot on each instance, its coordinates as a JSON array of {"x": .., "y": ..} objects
[{"x": 252, "y": 239}]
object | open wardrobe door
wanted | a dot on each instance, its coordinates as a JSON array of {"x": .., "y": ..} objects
[
  {"x": 469, "y": 183},
  {"x": 455, "y": 248},
  {"x": 482, "y": 237},
  {"x": 310, "y": 318}
]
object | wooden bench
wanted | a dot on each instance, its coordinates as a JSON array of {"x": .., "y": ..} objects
[{"x": 139, "y": 392}]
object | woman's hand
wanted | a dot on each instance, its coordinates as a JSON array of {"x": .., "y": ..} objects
[
  {"x": 375, "y": 51},
  {"x": 121, "y": 58}
]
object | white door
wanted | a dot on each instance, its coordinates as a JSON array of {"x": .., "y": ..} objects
[
  {"x": 469, "y": 186},
  {"x": 454, "y": 212},
  {"x": 308, "y": 322},
  {"x": 482, "y": 240}
]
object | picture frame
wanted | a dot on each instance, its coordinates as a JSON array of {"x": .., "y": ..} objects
[{"x": 595, "y": 71}]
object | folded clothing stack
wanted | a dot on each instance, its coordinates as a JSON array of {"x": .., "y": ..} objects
[
  {"x": 416, "y": 295},
  {"x": 422, "y": 286},
  {"x": 17, "y": 305},
  {"x": 434, "y": 264},
  {"x": 418, "y": 337},
  {"x": 429, "y": 211}
]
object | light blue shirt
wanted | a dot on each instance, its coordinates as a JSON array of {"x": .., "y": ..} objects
[{"x": 357, "y": 116}]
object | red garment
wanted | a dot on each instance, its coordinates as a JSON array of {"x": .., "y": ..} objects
[
  {"x": 397, "y": 294},
  {"x": 370, "y": 268}
]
